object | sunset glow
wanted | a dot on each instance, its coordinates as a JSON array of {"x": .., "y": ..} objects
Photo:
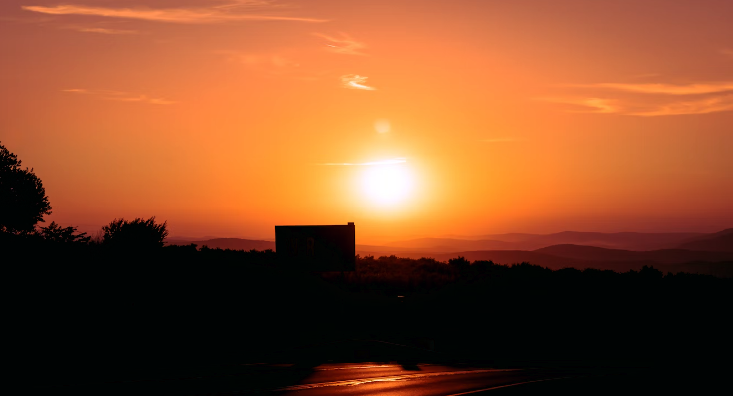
[
  {"x": 373, "y": 197},
  {"x": 411, "y": 118}
]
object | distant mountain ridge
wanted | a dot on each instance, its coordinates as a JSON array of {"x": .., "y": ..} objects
[
  {"x": 631, "y": 241},
  {"x": 619, "y": 240},
  {"x": 663, "y": 256},
  {"x": 249, "y": 244},
  {"x": 618, "y": 260},
  {"x": 718, "y": 242},
  {"x": 716, "y": 262}
]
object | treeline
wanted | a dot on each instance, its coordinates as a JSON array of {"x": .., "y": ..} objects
[
  {"x": 524, "y": 313},
  {"x": 394, "y": 275},
  {"x": 141, "y": 243}
]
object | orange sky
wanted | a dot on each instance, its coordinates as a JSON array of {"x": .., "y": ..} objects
[{"x": 228, "y": 117}]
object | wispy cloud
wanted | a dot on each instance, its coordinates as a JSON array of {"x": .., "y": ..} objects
[
  {"x": 355, "y": 81},
  {"x": 103, "y": 30},
  {"x": 342, "y": 45},
  {"x": 120, "y": 96},
  {"x": 592, "y": 105},
  {"x": 650, "y": 108},
  {"x": 667, "y": 89},
  {"x": 392, "y": 161},
  {"x": 699, "y": 106},
  {"x": 647, "y": 100},
  {"x": 243, "y": 10}
]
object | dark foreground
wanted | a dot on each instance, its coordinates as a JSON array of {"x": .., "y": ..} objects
[
  {"x": 369, "y": 378},
  {"x": 177, "y": 321}
]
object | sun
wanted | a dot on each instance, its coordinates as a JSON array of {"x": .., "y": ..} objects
[{"x": 387, "y": 184}]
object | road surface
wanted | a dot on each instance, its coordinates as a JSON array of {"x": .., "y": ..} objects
[
  {"x": 326, "y": 379},
  {"x": 404, "y": 379},
  {"x": 391, "y": 379}
]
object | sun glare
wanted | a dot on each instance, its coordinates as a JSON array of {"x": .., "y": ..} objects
[{"x": 387, "y": 184}]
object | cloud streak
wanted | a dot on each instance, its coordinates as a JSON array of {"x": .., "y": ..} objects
[
  {"x": 667, "y": 89},
  {"x": 593, "y": 105},
  {"x": 392, "y": 161},
  {"x": 707, "y": 105},
  {"x": 104, "y": 30},
  {"x": 701, "y": 106},
  {"x": 355, "y": 81},
  {"x": 650, "y": 100},
  {"x": 226, "y": 13},
  {"x": 344, "y": 45},
  {"x": 120, "y": 96}
]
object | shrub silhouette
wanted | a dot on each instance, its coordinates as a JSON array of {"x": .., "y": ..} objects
[
  {"x": 136, "y": 234},
  {"x": 460, "y": 263},
  {"x": 23, "y": 200},
  {"x": 56, "y": 233}
]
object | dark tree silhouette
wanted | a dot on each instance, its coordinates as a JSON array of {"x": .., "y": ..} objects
[
  {"x": 56, "y": 233},
  {"x": 460, "y": 263},
  {"x": 135, "y": 234},
  {"x": 23, "y": 200}
]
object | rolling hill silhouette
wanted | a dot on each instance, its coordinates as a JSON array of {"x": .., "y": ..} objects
[
  {"x": 635, "y": 241},
  {"x": 686, "y": 252},
  {"x": 619, "y": 240},
  {"x": 249, "y": 244},
  {"x": 665, "y": 256},
  {"x": 718, "y": 242},
  {"x": 622, "y": 263},
  {"x": 452, "y": 245}
]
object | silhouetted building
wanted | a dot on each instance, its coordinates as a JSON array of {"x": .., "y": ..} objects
[{"x": 317, "y": 247}]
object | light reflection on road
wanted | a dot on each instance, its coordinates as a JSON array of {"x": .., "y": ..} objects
[{"x": 391, "y": 378}]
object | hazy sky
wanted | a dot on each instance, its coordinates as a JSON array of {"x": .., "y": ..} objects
[{"x": 410, "y": 118}]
